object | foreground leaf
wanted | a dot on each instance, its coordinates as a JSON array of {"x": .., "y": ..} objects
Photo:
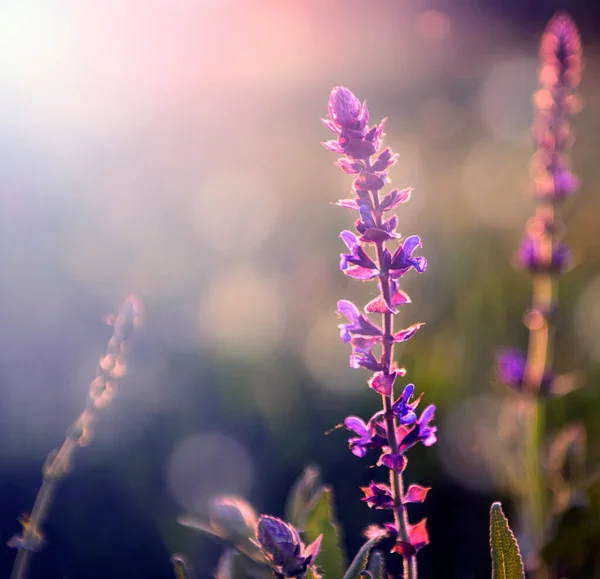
[
  {"x": 377, "y": 565},
  {"x": 506, "y": 557},
  {"x": 302, "y": 495},
  {"x": 320, "y": 520},
  {"x": 359, "y": 563}
]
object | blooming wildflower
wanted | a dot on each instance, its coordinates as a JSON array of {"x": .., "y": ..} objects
[
  {"x": 422, "y": 431},
  {"x": 378, "y": 496},
  {"x": 280, "y": 543},
  {"x": 357, "y": 263},
  {"x": 403, "y": 408},
  {"x": 359, "y": 324},
  {"x": 369, "y": 435},
  {"x": 402, "y": 259},
  {"x": 511, "y": 365},
  {"x": 529, "y": 257}
]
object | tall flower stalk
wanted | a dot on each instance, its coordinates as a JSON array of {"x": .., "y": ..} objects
[
  {"x": 395, "y": 428},
  {"x": 542, "y": 251},
  {"x": 111, "y": 367}
]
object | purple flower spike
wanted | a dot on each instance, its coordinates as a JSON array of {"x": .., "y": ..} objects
[{"x": 396, "y": 428}]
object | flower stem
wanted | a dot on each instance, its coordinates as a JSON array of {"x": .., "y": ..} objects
[
  {"x": 396, "y": 482},
  {"x": 32, "y": 529},
  {"x": 539, "y": 353}
]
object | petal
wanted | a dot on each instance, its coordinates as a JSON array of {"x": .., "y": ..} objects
[
  {"x": 358, "y": 272},
  {"x": 419, "y": 537},
  {"x": 395, "y": 198},
  {"x": 420, "y": 264},
  {"x": 350, "y": 167},
  {"x": 376, "y": 235},
  {"x": 347, "y": 203},
  {"x": 398, "y": 296},
  {"x": 331, "y": 125},
  {"x": 357, "y": 425},
  {"x": 312, "y": 550},
  {"x": 333, "y": 146},
  {"x": 378, "y": 306},
  {"x": 359, "y": 149},
  {"x": 404, "y": 549},
  {"x": 416, "y": 494},
  {"x": 364, "y": 359},
  {"x": 407, "y": 333},
  {"x": 410, "y": 244},
  {"x": 348, "y": 309},
  {"x": 383, "y": 383},
  {"x": 349, "y": 239},
  {"x": 395, "y": 462}
]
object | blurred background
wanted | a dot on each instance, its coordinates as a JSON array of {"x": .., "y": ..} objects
[{"x": 170, "y": 148}]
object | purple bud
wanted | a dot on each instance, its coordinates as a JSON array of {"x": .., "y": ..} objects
[
  {"x": 281, "y": 545},
  {"x": 346, "y": 111}
]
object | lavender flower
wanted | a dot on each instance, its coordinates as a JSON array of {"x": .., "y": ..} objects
[
  {"x": 281, "y": 545},
  {"x": 396, "y": 428}
]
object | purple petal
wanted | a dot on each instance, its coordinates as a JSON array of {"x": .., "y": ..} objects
[
  {"x": 347, "y": 203},
  {"x": 311, "y": 552},
  {"x": 333, "y": 146},
  {"x": 349, "y": 239},
  {"x": 348, "y": 309},
  {"x": 416, "y": 494},
  {"x": 357, "y": 425},
  {"x": 359, "y": 149},
  {"x": 358, "y": 272},
  {"x": 407, "y": 333},
  {"x": 410, "y": 244}
]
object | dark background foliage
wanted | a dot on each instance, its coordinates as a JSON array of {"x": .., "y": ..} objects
[{"x": 171, "y": 149}]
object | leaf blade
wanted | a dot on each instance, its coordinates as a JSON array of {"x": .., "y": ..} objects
[
  {"x": 320, "y": 520},
  {"x": 506, "y": 556},
  {"x": 361, "y": 559}
]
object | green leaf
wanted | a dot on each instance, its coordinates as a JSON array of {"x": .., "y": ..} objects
[
  {"x": 320, "y": 520},
  {"x": 302, "y": 496},
  {"x": 506, "y": 557},
  {"x": 360, "y": 561},
  {"x": 376, "y": 567}
]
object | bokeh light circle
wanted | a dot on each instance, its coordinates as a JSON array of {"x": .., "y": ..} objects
[{"x": 208, "y": 464}]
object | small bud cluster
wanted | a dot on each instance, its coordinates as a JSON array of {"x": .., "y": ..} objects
[
  {"x": 397, "y": 427},
  {"x": 281, "y": 545}
]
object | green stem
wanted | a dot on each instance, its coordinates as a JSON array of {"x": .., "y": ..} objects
[{"x": 396, "y": 479}]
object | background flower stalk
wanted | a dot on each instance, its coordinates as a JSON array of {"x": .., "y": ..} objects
[
  {"x": 111, "y": 367},
  {"x": 545, "y": 256}
]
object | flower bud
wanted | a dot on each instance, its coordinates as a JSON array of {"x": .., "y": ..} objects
[{"x": 281, "y": 544}]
